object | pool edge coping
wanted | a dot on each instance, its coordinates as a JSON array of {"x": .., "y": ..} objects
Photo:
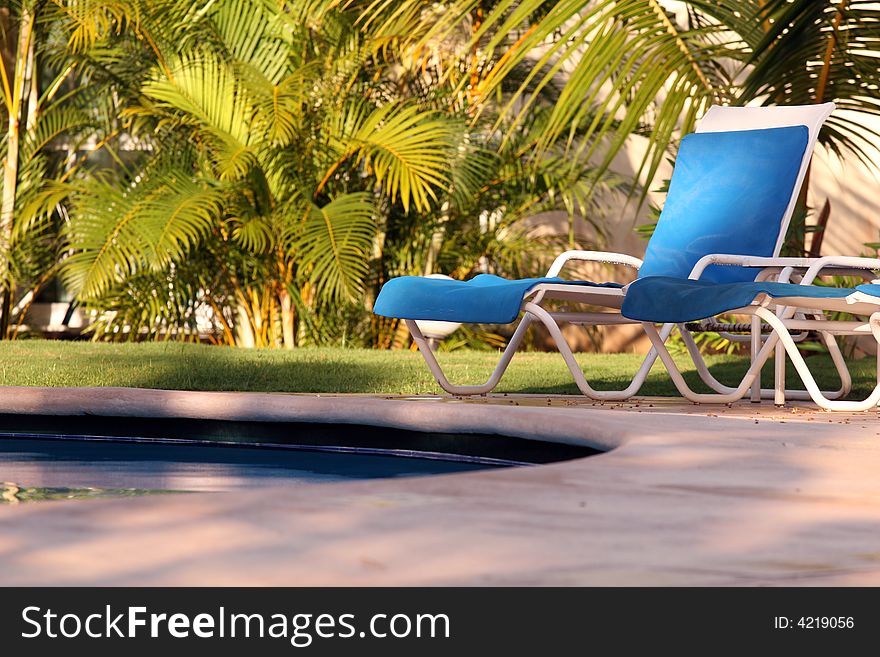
[{"x": 594, "y": 427}]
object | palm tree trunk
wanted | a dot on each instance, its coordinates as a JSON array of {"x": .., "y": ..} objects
[
  {"x": 244, "y": 327},
  {"x": 821, "y": 87},
  {"x": 16, "y": 94},
  {"x": 288, "y": 325},
  {"x": 287, "y": 310},
  {"x": 401, "y": 336}
]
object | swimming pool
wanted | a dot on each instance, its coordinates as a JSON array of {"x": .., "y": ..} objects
[
  {"x": 50, "y": 457},
  {"x": 79, "y": 464}
]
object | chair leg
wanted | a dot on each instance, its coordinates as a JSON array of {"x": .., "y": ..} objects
[
  {"x": 803, "y": 371},
  {"x": 533, "y": 312},
  {"x": 506, "y": 356},
  {"x": 766, "y": 393},
  {"x": 580, "y": 380},
  {"x": 779, "y": 376},
  {"x": 839, "y": 364},
  {"x": 733, "y": 394},
  {"x": 755, "y": 344}
]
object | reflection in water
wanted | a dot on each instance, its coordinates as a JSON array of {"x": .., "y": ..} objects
[
  {"x": 12, "y": 493},
  {"x": 63, "y": 469}
]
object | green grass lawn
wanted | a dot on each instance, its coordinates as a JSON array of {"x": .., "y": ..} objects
[{"x": 199, "y": 367}]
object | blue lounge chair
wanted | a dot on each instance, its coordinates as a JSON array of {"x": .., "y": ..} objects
[{"x": 734, "y": 189}]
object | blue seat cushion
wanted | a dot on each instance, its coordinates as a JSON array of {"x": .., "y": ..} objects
[
  {"x": 728, "y": 194},
  {"x": 484, "y": 299},
  {"x": 664, "y": 299}
]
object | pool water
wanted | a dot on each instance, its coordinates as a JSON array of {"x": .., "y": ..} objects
[
  {"x": 34, "y": 469},
  {"x": 88, "y": 456}
]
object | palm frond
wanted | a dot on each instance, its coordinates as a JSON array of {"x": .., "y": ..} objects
[
  {"x": 627, "y": 63},
  {"x": 333, "y": 243},
  {"x": 204, "y": 90},
  {"x": 119, "y": 232},
  {"x": 252, "y": 32},
  {"x": 278, "y": 106},
  {"x": 407, "y": 150},
  {"x": 811, "y": 51}
]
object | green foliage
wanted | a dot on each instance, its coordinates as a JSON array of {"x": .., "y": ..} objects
[
  {"x": 312, "y": 153},
  {"x": 630, "y": 68},
  {"x": 258, "y": 150},
  {"x": 796, "y": 52},
  {"x": 122, "y": 228},
  {"x": 332, "y": 244},
  {"x": 268, "y": 164}
]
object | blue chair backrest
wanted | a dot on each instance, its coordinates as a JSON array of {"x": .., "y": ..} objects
[{"x": 728, "y": 194}]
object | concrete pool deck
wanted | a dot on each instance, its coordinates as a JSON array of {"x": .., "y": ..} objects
[{"x": 687, "y": 495}]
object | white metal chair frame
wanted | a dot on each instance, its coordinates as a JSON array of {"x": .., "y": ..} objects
[
  {"x": 791, "y": 314},
  {"x": 783, "y": 270},
  {"x": 533, "y": 311}
]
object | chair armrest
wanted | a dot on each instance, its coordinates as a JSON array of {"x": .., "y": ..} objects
[
  {"x": 845, "y": 262},
  {"x": 748, "y": 261},
  {"x": 812, "y": 267},
  {"x": 592, "y": 256}
]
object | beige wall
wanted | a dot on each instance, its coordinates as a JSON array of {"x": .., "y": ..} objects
[{"x": 854, "y": 192}]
